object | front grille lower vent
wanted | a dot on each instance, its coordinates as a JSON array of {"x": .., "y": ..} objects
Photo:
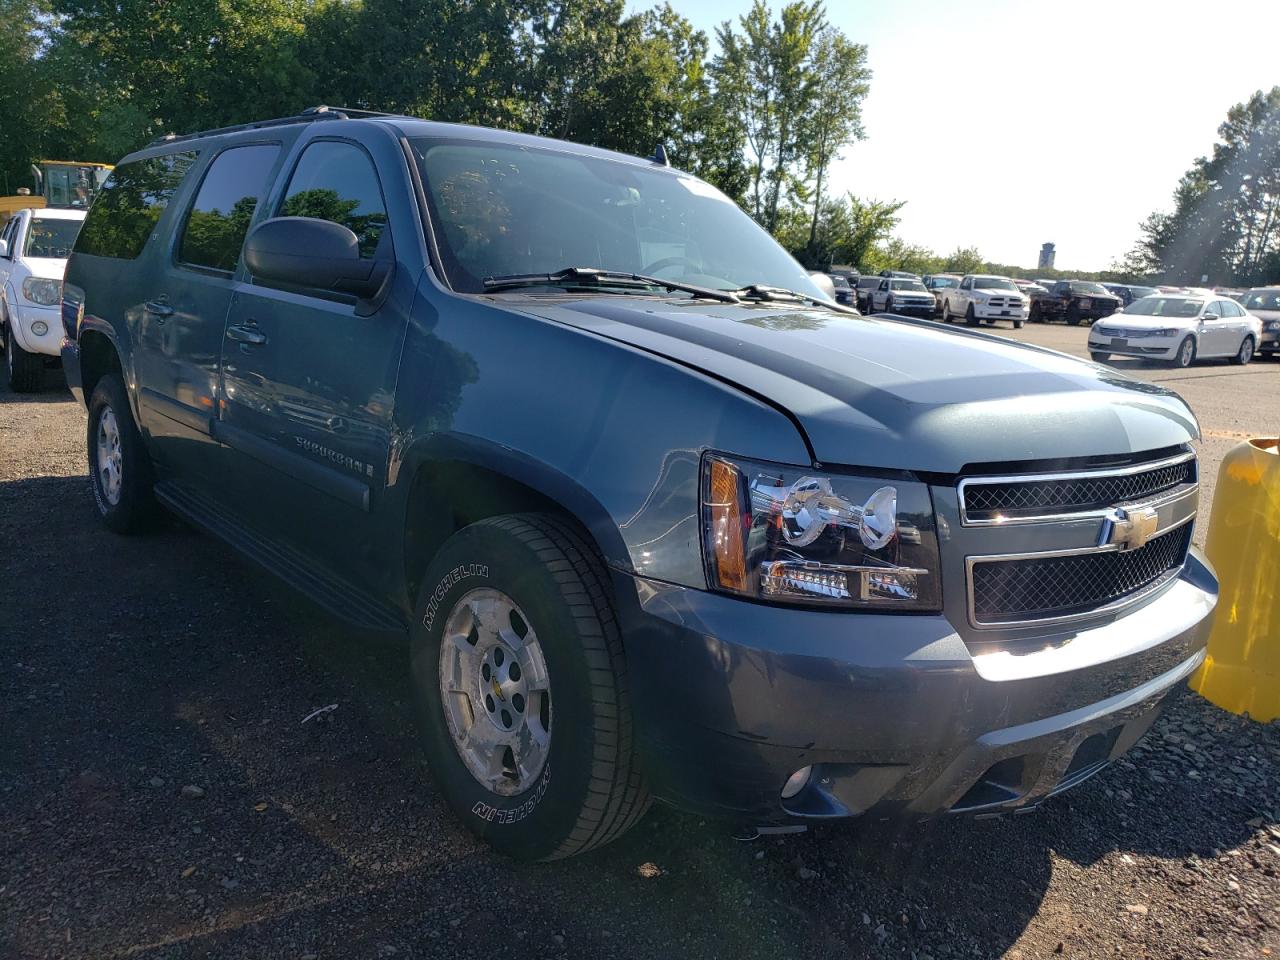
[
  {"x": 1045, "y": 587},
  {"x": 1012, "y": 499}
]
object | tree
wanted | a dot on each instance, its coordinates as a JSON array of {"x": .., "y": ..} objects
[
  {"x": 843, "y": 81},
  {"x": 28, "y": 101},
  {"x": 771, "y": 78},
  {"x": 1225, "y": 221},
  {"x": 963, "y": 260}
]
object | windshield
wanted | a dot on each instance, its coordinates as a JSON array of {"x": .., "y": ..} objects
[
  {"x": 994, "y": 283},
  {"x": 908, "y": 285},
  {"x": 1158, "y": 306},
  {"x": 1090, "y": 288},
  {"x": 840, "y": 283},
  {"x": 1262, "y": 300},
  {"x": 937, "y": 282},
  {"x": 868, "y": 283},
  {"x": 500, "y": 210},
  {"x": 51, "y": 238}
]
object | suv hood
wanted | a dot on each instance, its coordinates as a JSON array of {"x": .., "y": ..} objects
[{"x": 895, "y": 393}]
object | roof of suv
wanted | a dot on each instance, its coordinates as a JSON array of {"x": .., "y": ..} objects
[{"x": 403, "y": 125}]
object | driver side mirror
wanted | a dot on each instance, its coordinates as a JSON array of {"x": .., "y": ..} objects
[
  {"x": 1210, "y": 316},
  {"x": 4, "y": 249},
  {"x": 309, "y": 252}
]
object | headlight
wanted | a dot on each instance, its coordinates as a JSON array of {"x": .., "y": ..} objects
[
  {"x": 1163, "y": 332},
  {"x": 1272, "y": 325},
  {"x": 785, "y": 534},
  {"x": 44, "y": 292}
]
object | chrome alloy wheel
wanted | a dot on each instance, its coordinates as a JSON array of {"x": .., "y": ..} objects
[
  {"x": 495, "y": 691},
  {"x": 1186, "y": 353},
  {"x": 110, "y": 468}
]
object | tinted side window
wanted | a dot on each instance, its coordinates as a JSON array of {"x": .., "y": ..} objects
[
  {"x": 337, "y": 182},
  {"x": 130, "y": 203},
  {"x": 220, "y": 216}
]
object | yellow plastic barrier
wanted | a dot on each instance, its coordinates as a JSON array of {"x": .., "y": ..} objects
[{"x": 1242, "y": 670}]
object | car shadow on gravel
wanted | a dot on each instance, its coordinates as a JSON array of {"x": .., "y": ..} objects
[{"x": 197, "y": 762}]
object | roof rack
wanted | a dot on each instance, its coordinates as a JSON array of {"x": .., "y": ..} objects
[{"x": 306, "y": 116}]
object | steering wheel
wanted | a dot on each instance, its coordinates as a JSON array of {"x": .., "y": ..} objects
[{"x": 653, "y": 268}]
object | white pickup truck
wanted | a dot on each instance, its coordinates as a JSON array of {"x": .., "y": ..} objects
[{"x": 982, "y": 297}]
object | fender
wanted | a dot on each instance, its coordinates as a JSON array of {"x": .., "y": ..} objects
[
  {"x": 90, "y": 322},
  {"x": 8, "y": 316},
  {"x": 475, "y": 451}
]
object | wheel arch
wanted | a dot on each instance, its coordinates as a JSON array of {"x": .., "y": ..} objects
[
  {"x": 451, "y": 482},
  {"x": 99, "y": 354}
]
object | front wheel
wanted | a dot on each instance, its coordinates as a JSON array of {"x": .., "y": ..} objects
[
  {"x": 888, "y": 305},
  {"x": 946, "y": 311},
  {"x": 1073, "y": 315},
  {"x": 1245, "y": 353},
  {"x": 1099, "y": 357},
  {"x": 1017, "y": 324},
  {"x": 1186, "y": 354},
  {"x": 119, "y": 465},
  {"x": 522, "y": 684},
  {"x": 23, "y": 370},
  {"x": 970, "y": 317}
]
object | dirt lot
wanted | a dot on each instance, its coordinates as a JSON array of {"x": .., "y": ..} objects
[{"x": 160, "y": 795}]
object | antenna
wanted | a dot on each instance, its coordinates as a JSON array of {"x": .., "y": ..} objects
[{"x": 660, "y": 155}]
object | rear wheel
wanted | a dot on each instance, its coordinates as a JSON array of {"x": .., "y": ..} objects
[
  {"x": 519, "y": 670},
  {"x": 24, "y": 371},
  {"x": 970, "y": 317},
  {"x": 1245, "y": 353},
  {"x": 1186, "y": 354},
  {"x": 119, "y": 465}
]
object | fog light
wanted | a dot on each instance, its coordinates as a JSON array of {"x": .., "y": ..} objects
[
  {"x": 39, "y": 328},
  {"x": 795, "y": 783}
]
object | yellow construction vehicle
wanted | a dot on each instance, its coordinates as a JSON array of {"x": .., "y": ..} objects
[{"x": 58, "y": 183}]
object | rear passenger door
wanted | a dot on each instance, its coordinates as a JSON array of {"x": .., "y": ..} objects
[
  {"x": 309, "y": 375},
  {"x": 179, "y": 342}
]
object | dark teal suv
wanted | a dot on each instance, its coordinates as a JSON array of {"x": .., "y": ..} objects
[{"x": 653, "y": 515}]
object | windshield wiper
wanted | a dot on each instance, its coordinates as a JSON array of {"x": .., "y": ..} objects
[
  {"x": 760, "y": 291},
  {"x": 593, "y": 276}
]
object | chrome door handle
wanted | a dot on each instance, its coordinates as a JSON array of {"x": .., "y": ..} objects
[
  {"x": 246, "y": 334},
  {"x": 158, "y": 308}
]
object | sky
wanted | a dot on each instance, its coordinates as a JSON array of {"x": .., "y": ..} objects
[{"x": 1006, "y": 124}]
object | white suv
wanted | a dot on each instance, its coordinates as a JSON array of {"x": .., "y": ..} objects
[{"x": 34, "y": 246}]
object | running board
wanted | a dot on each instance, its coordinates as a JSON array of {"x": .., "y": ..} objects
[{"x": 339, "y": 597}]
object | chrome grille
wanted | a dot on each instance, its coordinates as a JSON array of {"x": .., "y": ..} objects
[
  {"x": 1002, "y": 499},
  {"x": 1048, "y": 586}
]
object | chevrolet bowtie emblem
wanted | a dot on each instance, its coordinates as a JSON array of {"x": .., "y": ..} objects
[{"x": 1128, "y": 528}]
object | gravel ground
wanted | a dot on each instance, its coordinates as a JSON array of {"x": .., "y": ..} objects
[{"x": 161, "y": 796}]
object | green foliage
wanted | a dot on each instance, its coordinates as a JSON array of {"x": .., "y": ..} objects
[
  {"x": 795, "y": 87},
  {"x": 1226, "y": 209}
]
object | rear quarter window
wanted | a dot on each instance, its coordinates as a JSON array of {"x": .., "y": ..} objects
[{"x": 125, "y": 212}]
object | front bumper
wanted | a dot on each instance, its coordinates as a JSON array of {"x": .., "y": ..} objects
[
  {"x": 1270, "y": 342},
  {"x": 985, "y": 312},
  {"x": 48, "y": 343},
  {"x": 926, "y": 310},
  {"x": 1152, "y": 348},
  {"x": 897, "y": 714}
]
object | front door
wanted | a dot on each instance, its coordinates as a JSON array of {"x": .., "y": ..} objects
[
  {"x": 309, "y": 377},
  {"x": 179, "y": 340}
]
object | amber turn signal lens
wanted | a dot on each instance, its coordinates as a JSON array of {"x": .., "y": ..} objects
[{"x": 727, "y": 512}]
